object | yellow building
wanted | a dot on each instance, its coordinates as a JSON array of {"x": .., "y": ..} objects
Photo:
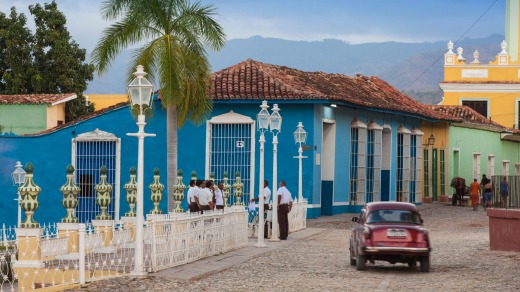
[
  {"x": 102, "y": 101},
  {"x": 493, "y": 89}
]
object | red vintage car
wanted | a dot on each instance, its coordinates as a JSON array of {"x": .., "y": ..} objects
[{"x": 392, "y": 232}]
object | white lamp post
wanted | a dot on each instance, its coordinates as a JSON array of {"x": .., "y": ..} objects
[
  {"x": 263, "y": 124},
  {"x": 18, "y": 180},
  {"x": 300, "y": 136},
  {"x": 275, "y": 123},
  {"x": 140, "y": 92}
]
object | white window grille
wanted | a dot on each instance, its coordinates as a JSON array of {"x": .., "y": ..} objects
[
  {"x": 476, "y": 165},
  {"x": 358, "y": 138},
  {"x": 230, "y": 146},
  {"x": 416, "y": 170},
  {"x": 91, "y": 151},
  {"x": 505, "y": 167},
  {"x": 403, "y": 164},
  {"x": 374, "y": 154},
  {"x": 491, "y": 165}
]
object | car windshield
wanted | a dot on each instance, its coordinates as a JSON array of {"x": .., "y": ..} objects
[{"x": 393, "y": 216}]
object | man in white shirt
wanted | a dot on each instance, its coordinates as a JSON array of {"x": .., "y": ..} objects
[
  {"x": 205, "y": 198},
  {"x": 284, "y": 207},
  {"x": 193, "y": 197},
  {"x": 267, "y": 197},
  {"x": 219, "y": 196}
]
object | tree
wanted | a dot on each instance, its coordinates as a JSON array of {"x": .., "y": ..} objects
[
  {"x": 59, "y": 61},
  {"x": 47, "y": 62},
  {"x": 15, "y": 54},
  {"x": 175, "y": 32}
]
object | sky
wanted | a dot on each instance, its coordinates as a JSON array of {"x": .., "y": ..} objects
[{"x": 353, "y": 21}]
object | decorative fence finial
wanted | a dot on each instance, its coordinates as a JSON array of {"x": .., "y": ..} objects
[
  {"x": 460, "y": 50},
  {"x": 131, "y": 192},
  {"x": 226, "y": 189},
  {"x": 29, "y": 192},
  {"x": 193, "y": 175},
  {"x": 476, "y": 55},
  {"x": 103, "y": 190},
  {"x": 178, "y": 192},
  {"x": 238, "y": 190},
  {"x": 156, "y": 188},
  {"x": 70, "y": 193}
]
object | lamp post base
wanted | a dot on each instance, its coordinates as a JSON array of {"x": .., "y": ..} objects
[
  {"x": 260, "y": 244},
  {"x": 138, "y": 274}
]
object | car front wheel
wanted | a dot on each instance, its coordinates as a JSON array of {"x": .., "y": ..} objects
[
  {"x": 361, "y": 262},
  {"x": 425, "y": 264}
]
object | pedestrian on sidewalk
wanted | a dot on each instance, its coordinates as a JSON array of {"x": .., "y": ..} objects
[
  {"x": 219, "y": 196},
  {"x": 193, "y": 197},
  {"x": 267, "y": 197},
  {"x": 487, "y": 187},
  {"x": 504, "y": 192},
  {"x": 475, "y": 193},
  {"x": 205, "y": 198},
  {"x": 284, "y": 207}
]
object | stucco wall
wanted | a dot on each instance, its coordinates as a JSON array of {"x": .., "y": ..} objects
[{"x": 23, "y": 118}]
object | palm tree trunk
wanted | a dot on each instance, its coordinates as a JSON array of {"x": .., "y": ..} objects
[{"x": 172, "y": 147}]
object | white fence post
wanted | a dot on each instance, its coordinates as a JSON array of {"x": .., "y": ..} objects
[{"x": 81, "y": 232}]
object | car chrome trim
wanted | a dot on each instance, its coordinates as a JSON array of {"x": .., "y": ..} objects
[{"x": 396, "y": 249}]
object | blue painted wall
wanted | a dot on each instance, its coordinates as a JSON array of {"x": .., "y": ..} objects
[{"x": 51, "y": 153}]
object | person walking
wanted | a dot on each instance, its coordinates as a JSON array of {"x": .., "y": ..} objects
[
  {"x": 504, "y": 192},
  {"x": 487, "y": 188},
  {"x": 284, "y": 207},
  {"x": 475, "y": 190},
  {"x": 193, "y": 197},
  {"x": 267, "y": 197},
  {"x": 219, "y": 196}
]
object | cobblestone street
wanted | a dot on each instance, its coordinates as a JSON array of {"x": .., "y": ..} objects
[{"x": 460, "y": 261}]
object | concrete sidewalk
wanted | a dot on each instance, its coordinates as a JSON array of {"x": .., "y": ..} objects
[{"x": 215, "y": 264}]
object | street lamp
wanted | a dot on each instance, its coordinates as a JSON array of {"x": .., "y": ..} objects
[
  {"x": 300, "y": 136},
  {"x": 275, "y": 122},
  {"x": 263, "y": 124},
  {"x": 140, "y": 92},
  {"x": 18, "y": 180}
]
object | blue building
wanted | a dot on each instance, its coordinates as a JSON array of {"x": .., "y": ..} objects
[{"x": 364, "y": 143}]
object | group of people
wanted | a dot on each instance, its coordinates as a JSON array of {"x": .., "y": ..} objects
[
  {"x": 203, "y": 196},
  {"x": 284, "y": 199},
  {"x": 486, "y": 187}
]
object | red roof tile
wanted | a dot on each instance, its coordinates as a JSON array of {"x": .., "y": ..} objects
[
  {"x": 256, "y": 80},
  {"x": 471, "y": 118},
  {"x": 36, "y": 98}
]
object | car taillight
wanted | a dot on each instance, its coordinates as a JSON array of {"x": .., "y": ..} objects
[{"x": 425, "y": 235}]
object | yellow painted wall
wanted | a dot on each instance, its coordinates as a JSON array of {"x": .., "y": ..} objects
[
  {"x": 502, "y": 106},
  {"x": 102, "y": 101},
  {"x": 55, "y": 113},
  {"x": 440, "y": 131},
  {"x": 496, "y": 73}
]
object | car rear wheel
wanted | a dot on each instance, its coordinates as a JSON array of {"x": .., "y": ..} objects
[
  {"x": 361, "y": 262},
  {"x": 425, "y": 264}
]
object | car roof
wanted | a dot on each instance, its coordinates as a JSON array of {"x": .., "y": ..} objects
[{"x": 391, "y": 205}]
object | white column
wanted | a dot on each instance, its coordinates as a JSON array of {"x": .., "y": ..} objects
[
  {"x": 260, "y": 240},
  {"x": 300, "y": 179},
  {"x": 274, "y": 213},
  {"x": 139, "y": 234}
]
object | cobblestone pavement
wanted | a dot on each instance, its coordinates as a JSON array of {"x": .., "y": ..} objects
[{"x": 460, "y": 261}]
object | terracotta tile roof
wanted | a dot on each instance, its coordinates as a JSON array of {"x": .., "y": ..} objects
[
  {"x": 471, "y": 118},
  {"x": 479, "y": 82},
  {"x": 253, "y": 80},
  {"x": 36, "y": 98},
  {"x": 82, "y": 118}
]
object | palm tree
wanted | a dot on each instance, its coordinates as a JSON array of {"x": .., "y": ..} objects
[{"x": 174, "y": 33}]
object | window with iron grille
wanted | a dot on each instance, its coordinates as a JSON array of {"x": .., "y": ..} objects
[
  {"x": 91, "y": 151},
  {"x": 230, "y": 147},
  {"x": 373, "y": 168},
  {"x": 426, "y": 173},
  {"x": 358, "y": 138},
  {"x": 403, "y": 165},
  {"x": 443, "y": 172}
]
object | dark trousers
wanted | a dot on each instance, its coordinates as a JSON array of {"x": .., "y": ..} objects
[
  {"x": 220, "y": 207},
  {"x": 203, "y": 208},
  {"x": 283, "y": 220},
  {"x": 194, "y": 207}
]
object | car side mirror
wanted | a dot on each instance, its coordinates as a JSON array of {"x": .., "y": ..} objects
[{"x": 355, "y": 219}]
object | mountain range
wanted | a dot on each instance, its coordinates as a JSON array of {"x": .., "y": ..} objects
[{"x": 415, "y": 68}]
